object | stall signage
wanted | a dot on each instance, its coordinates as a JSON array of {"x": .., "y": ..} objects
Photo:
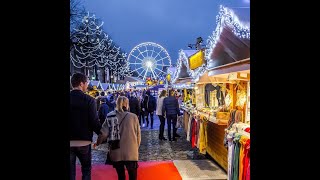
[{"x": 196, "y": 60}]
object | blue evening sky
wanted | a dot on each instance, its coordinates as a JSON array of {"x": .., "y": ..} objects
[{"x": 171, "y": 23}]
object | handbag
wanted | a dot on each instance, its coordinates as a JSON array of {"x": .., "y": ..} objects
[
  {"x": 115, "y": 144},
  {"x": 112, "y": 146}
]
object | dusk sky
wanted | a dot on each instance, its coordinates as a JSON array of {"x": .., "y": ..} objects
[{"x": 171, "y": 23}]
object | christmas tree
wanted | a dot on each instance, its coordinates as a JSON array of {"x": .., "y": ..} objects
[{"x": 93, "y": 48}]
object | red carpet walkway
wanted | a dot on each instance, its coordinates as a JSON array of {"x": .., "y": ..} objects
[{"x": 157, "y": 170}]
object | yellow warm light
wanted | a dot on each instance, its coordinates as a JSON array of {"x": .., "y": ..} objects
[
  {"x": 196, "y": 60},
  {"x": 168, "y": 77}
]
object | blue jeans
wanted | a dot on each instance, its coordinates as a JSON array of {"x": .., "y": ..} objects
[{"x": 84, "y": 155}]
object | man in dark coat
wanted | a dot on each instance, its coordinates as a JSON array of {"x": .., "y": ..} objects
[
  {"x": 134, "y": 104},
  {"x": 83, "y": 121},
  {"x": 98, "y": 99},
  {"x": 103, "y": 110},
  {"x": 149, "y": 104},
  {"x": 171, "y": 109}
]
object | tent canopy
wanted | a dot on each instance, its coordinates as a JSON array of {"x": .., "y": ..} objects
[
  {"x": 104, "y": 86},
  {"x": 95, "y": 83}
]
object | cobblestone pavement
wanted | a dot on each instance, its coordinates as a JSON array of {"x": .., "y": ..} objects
[{"x": 152, "y": 149}]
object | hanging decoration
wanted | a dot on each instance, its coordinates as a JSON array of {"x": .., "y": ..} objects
[
  {"x": 93, "y": 47},
  {"x": 226, "y": 17}
]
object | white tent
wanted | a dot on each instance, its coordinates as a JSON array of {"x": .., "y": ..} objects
[
  {"x": 96, "y": 83},
  {"x": 104, "y": 86}
]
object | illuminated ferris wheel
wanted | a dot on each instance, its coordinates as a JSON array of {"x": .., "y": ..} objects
[{"x": 149, "y": 59}]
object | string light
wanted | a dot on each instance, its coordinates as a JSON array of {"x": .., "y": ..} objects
[
  {"x": 226, "y": 17},
  {"x": 92, "y": 47},
  {"x": 183, "y": 59}
]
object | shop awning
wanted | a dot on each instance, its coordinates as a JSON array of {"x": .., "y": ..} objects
[
  {"x": 205, "y": 78},
  {"x": 188, "y": 85},
  {"x": 229, "y": 50},
  {"x": 184, "y": 80},
  {"x": 242, "y": 65}
]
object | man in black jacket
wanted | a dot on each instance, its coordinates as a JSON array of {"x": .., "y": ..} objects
[
  {"x": 83, "y": 121},
  {"x": 149, "y": 105},
  {"x": 134, "y": 104},
  {"x": 103, "y": 110},
  {"x": 171, "y": 109},
  {"x": 98, "y": 99}
]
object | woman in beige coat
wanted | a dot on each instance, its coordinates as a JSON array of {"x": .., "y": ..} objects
[{"x": 130, "y": 138}]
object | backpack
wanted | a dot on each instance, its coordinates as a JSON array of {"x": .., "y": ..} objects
[{"x": 114, "y": 130}]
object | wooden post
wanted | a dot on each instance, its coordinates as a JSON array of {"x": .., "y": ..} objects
[
  {"x": 244, "y": 85},
  {"x": 233, "y": 94}
]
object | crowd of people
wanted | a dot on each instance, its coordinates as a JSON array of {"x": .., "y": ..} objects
[
  {"x": 116, "y": 117},
  {"x": 141, "y": 103}
]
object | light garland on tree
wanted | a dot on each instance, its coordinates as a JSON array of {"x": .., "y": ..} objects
[
  {"x": 93, "y": 47},
  {"x": 226, "y": 17},
  {"x": 125, "y": 68}
]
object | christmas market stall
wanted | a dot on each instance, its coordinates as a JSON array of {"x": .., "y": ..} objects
[
  {"x": 219, "y": 123},
  {"x": 94, "y": 88},
  {"x": 226, "y": 88},
  {"x": 183, "y": 81}
]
